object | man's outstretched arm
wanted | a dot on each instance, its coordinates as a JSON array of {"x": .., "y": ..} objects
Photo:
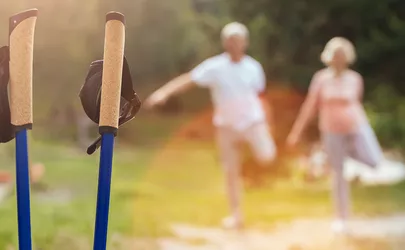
[{"x": 176, "y": 86}]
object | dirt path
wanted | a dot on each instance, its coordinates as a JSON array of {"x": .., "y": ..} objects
[{"x": 367, "y": 234}]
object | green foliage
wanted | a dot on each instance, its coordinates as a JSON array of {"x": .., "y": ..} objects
[
  {"x": 166, "y": 38},
  {"x": 169, "y": 38},
  {"x": 294, "y": 34},
  {"x": 387, "y": 113}
]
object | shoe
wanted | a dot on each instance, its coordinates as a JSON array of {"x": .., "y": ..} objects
[
  {"x": 339, "y": 227},
  {"x": 231, "y": 222}
]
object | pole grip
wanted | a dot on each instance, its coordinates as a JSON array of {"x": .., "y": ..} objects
[
  {"x": 112, "y": 72},
  {"x": 22, "y": 28}
]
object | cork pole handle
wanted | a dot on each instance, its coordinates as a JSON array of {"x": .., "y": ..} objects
[
  {"x": 22, "y": 27},
  {"x": 112, "y": 72}
]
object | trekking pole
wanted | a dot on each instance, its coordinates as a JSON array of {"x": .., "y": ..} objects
[
  {"x": 22, "y": 27},
  {"x": 109, "y": 115}
]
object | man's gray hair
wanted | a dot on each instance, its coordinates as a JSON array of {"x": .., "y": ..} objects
[{"x": 234, "y": 29}]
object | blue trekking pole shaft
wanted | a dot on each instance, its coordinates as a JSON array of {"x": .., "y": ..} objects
[
  {"x": 23, "y": 191},
  {"x": 22, "y": 27},
  {"x": 103, "y": 194},
  {"x": 109, "y": 115}
]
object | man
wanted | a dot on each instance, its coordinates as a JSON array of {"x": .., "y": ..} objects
[{"x": 236, "y": 82}]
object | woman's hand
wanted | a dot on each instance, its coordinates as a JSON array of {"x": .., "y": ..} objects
[{"x": 292, "y": 139}]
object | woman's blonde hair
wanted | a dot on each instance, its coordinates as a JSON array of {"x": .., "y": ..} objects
[{"x": 338, "y": 43}]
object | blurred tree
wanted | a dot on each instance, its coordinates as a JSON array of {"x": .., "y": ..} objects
[
  {"x": 166, "y": 38},
  {"x": 294, "y": 33}
]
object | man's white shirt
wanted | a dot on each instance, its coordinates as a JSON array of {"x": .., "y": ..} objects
[{"x": 235, "y": 89}]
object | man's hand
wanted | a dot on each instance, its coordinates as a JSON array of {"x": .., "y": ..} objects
[
  {"x": 157, "y": 98},
  {"x": 267, "y": 110}
]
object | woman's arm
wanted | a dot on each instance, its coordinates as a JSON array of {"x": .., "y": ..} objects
[
  {"x": 360, "y": 89},
  {"x": 307, "y": 111}
]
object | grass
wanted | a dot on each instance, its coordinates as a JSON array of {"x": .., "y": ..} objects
[{"x": 153, "y": 188}]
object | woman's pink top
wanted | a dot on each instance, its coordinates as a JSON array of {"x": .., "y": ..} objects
[{"x": 338, "y": 100}]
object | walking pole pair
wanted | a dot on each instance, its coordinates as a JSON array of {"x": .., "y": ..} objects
[
  {"x": 107, "y": 97},
  {"x": 16, "y": 117}
]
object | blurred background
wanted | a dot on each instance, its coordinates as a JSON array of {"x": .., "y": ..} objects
[{"x": 166, "y": 169}]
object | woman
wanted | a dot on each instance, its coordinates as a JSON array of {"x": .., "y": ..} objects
[{"x": 336, "y": 93}]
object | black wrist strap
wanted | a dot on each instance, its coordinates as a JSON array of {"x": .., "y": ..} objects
[
  {"x": 90, "y": 96},
  {"x": 7, "y": 132}
]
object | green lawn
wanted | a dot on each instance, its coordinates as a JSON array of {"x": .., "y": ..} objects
[{"x": 155, "y": 187}]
